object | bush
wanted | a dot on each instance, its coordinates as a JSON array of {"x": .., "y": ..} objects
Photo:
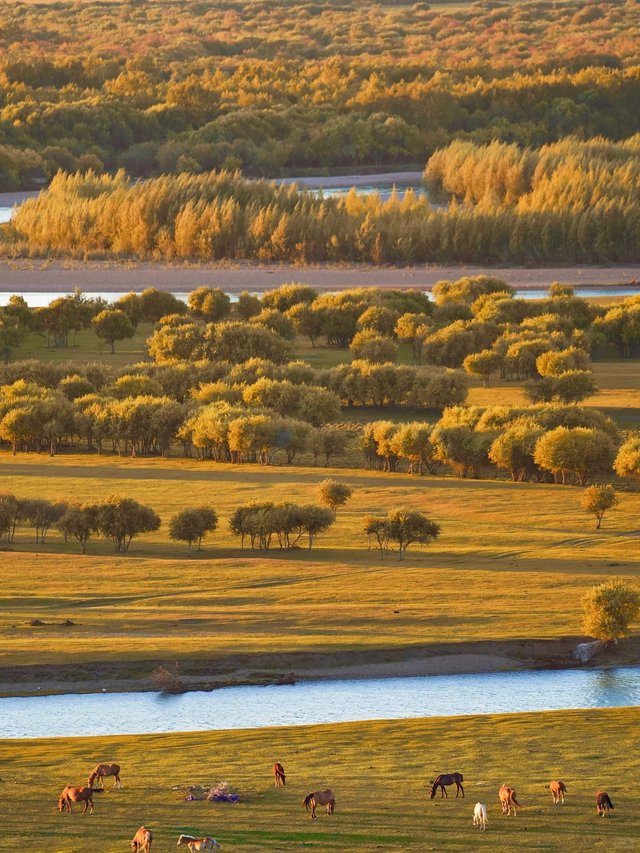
[{"x": 609, "y": 610}]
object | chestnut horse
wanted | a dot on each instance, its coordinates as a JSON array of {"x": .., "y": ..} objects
[
  {"x": 445, "y": 779},
  {"x": 141, "y": 841},
  {"x": 278, "y": 775},
  {"x": 603, "y": 803},
  {"x": 71, "y": 794},
  {"x": 558, "y": 790},
  {"x": 102, "y": 770},
  {"x": 319, "y": 798},
  {"x": 508, "y": 799}
]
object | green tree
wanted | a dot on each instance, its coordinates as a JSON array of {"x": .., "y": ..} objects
[
  {"x": 42, "y": 514},
  {"x": 80, "y": 521},
  {"x": 609, "y": 610},
  {"x": 598, "y": 499},
  {"x": 334, "y": 493},
  {"x": 121, "y": 519},
  {"x": 370, "y": 346},
  {"x": 192, "y": 525},
  {"x": 581, "y": 452},
  {"x": 113, "y": 325}
]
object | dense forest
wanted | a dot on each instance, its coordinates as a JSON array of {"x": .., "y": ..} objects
[
  {"x": 158, "y": 87},
  {"x": 569, "y": 201}
]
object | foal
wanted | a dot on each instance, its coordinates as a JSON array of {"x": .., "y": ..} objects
[
  {"x": 603, "y": 803},
  {"x": 558, "y": 790},
  {"x": 279, "y": 775}
]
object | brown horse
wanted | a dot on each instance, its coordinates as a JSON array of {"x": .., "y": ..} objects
[
  {"x": 445, "y": 779},
  {"x": 141, "y": 841},
  {"x": 102, "y": 770},
  {"x": 508, "y": 799},
  {"x": 279, "y": 777},
  {"x": 603, "y": 803},
  {"x": 558, "y": 790},
  {"x": 71, "y": 794},
  {"x": 319, "y": 798}
]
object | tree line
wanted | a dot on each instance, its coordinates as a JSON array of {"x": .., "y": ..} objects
[
  {"x": 543, "y": 443},
  {"x": 220, "y": 215}
]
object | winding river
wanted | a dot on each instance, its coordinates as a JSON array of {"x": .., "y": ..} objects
[{"x": 314, "y": 702}]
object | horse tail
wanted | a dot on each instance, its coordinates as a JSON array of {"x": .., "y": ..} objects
[
  {"x": 307, "y": 801},
  {"x": 461, "y": 777},
  {"x": 609, "y": 801},
  {"x": 515, "y": 802}
]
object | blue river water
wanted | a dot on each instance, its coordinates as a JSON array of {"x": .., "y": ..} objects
[{"x": 314, "y": 702}]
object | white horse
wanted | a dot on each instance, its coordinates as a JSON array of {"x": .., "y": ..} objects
[
  {"x": 197, "y": 844},
  {"x": 480, "y": 815}
]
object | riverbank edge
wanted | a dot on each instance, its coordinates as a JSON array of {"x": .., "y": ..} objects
[{"x": 194, "y": 674}]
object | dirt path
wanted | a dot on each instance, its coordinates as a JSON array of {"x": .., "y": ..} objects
[{"x": 29, "y": 276}]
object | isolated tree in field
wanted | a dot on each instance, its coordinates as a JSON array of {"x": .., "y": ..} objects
[
  {"x": 598, "y": 499},
  {"x": 482, "y": 364},
  {"x": 192, "y": 525},
  {"x": 113, "y": 325},
  {"x": 80, "y": 521},
  {"x": 120, "y": 519},
  {"x": 609, "y": 610},
  {"x": 333, "y": 494}
]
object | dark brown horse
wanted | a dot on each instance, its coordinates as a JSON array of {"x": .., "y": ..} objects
[
  {"x": 603, "y": 803},
  {"x": 71, "y": 794},
  {"x": 279, "y": 776},
  {"x": 445, "y": 779}
]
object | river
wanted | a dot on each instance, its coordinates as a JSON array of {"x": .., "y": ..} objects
[{"x": 317, "y": 702}]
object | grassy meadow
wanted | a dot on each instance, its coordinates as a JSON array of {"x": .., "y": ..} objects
[
  {"x": 379, "y": 772},
  {"x": 522, "y": 579}
]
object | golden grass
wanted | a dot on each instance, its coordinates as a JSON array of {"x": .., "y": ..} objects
[
  {"x": 513, "y": 561},
  {"x": 379, "y": 772}
]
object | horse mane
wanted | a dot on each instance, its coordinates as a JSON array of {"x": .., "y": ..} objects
[{"x": 187, "y": 838}]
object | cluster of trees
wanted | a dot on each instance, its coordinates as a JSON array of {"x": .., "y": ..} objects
[
  {"x": 264, "y": 523},
  {"x": 117, "y": 518},
  {"x": 267, "y": 88},
  {"x": 218, "y": 215},
  {"x": 403, "y": 527},
  {"x": 548, "y": 442}
]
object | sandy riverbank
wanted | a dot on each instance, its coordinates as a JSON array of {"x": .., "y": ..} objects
[
  {"x": 28, "y": 276},
  {"x": 204, "y": 674}
]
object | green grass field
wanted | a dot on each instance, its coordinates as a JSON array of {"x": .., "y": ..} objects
[
  {"x": 379, "y": 772},
  {"x": 520, "y": 579}
]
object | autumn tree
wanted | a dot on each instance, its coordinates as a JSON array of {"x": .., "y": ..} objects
[
  {"x": 596, "y": 500},
  {"x": 334, "y": 493},
  {"x": 80, "y": 521},
  {"x": 121, "y": 519},
  {"x": 609, "y": 610}
]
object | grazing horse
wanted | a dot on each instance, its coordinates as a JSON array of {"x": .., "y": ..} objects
[
  {"x": 197, "y": 844},
  {"x": 558, "y": 790},
  {"x": 102, "y": 770},
  {"x": 278, "y": 775},
  {"x": 445, "y": 779},
  {"x": 319, "y": 798},
  {"x": 141, "y": 841},
  {"x": 603, "y": 803},
  {"x": 480, "y": 815},
  {"x": 71, "y": 794},
  {"x": 508, "y": 799}
]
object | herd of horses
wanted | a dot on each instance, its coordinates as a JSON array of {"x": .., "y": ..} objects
[{"x": 142, "y": 840}]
